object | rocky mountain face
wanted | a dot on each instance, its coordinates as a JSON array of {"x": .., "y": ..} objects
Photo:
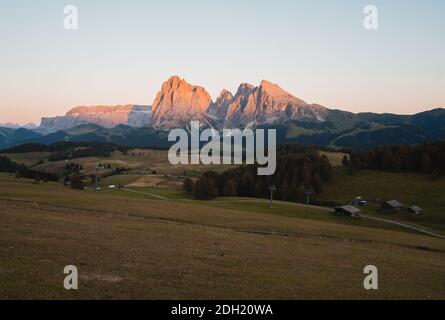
[
  {"x": 263, "y": 106},
  {"x": 105, "y": 116},
  {"x": 268, "y": 104},
  {"x": 139, "y": 116},
  {"x": 218, "y": 110},
  {"x": 178, "y": 103}
]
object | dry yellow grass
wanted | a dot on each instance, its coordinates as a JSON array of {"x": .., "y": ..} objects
[{"x": 138, "y": 248}]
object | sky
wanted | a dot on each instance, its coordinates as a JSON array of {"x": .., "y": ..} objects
[{"x": 316, "y": 49}]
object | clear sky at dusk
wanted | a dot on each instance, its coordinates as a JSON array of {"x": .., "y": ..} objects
[{"x": 316, "y": 49}]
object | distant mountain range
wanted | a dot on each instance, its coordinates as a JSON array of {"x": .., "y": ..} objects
[
  {"x": 10, "y": 125},
  {"x": 263, "y": 106},
  {"x": 105, "y": 116}
]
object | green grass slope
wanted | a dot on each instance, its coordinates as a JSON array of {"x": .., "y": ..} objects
[
  {"x": 130, "y": 247},
  {"x": 410, "y": 189}
]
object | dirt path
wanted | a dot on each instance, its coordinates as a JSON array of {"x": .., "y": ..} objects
[
  {"x": 406, "y": 225},
  {"x": 397, "y": 223}
]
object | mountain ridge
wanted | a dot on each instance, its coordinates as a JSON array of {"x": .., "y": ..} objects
[
  {"x": 106, "y": 116},
  {"x": 264, "y": 106}
]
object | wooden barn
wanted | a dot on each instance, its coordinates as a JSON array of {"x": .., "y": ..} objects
[
  {"x": 347, "y": 211},
  {"x": 391, "y": 206},
  {"x": 414, "y": 210}
]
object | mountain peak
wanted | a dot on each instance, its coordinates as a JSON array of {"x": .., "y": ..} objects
[
  {"x": 267, "y": 83},
  {"x": 273, "y": 89},
  {"x": 173, "y": 83},
  {"x": 275, "y": 92},
  {"x": 179, "y": 102},
  {"x": 244, "y": 89},
  {"x": 225, "y": 95}
]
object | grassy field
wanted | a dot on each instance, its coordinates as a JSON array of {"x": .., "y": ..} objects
[
  {"x": 127, "y": 246},
  {"x": 30, "y": 159},
  {"x": 141, "y": 163},
  {"x": 410, "y": 189},
  {"x": 336, "y": 158},
  {"x": 152, "y": 240}
]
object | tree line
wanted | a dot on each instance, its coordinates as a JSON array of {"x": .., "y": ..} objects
[
  {"x": 300, "y": 170},
  {"x": 426, "y": 158},
  {"x": 20, "y": 170},
  {"x": 70, "y": 150}
]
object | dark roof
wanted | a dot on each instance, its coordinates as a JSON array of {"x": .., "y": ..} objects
[
  {"x": 350, "y": 209},
  {"x": 416, "y": 209},
  {"x": 394, "y": 203}
]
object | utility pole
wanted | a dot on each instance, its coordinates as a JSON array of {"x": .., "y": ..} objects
[
  {"x": 308, "y": 196},
  {"x": 95, "y": 178},
  {"x": 272, "y": 188}
]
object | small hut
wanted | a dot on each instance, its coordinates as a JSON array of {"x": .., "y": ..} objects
[
  {"x": 347, "y": 211},
  {"x": 415, "y": 210},
  {"x": 391, "y": 206}
]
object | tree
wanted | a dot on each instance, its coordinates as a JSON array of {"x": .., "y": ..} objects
[
  {"x": 326, "y": 169},
  {"x": 345, "y": 162},
  {"x": 397, "y": 164},
  {"x": 259, "y": 189},
  {"x": 418, "y": 158},
  {"x": 205, "y": 189},
  {"x": 425, "y": 163},
  {"x": 301, "y": 194},
  {"x": 356, "y": 163},
  {"x": 308, "y": 181},
  {"x": 296, "y": 167},
  {"x": 188, "y": 185},
  {"x": 76, "y": 183},
  {"x": 283, "y": 191},
  {"x": 230, "y": 189},
  {"x": 317, "y": 183},
  {"x": 293, "y": 193},
  {"x": 216, "y": 179}
]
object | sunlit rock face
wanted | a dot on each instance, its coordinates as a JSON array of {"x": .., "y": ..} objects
[
  {"x": 104, "y": 116},
  {"x": 267, "y": 104},
  {"x": 178, "y": 103},
  {"x": 218, "y": 110}
]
